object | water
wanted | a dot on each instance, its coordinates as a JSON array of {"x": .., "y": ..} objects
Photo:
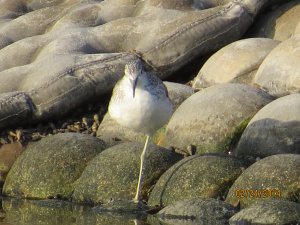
[{"x": 52, "y": 212}]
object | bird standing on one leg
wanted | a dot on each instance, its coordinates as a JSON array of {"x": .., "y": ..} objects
[{"x": 140, "y": 101}]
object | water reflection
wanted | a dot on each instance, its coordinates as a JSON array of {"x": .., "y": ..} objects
[{"x": 52, "y": 212}]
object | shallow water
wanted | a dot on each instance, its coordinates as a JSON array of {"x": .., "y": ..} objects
[{"x": 52, "y": 212}]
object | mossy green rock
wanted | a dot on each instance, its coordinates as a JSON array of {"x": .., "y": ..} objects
[
  {"x": 271, "y": 212},
  {"x": 212, "y": 119},
  {"x": 51, "y": 166},
  {"x": 274, "y": 177},
  {"x": 206, "y": 176},
  {"x": 113, "y": 174}
]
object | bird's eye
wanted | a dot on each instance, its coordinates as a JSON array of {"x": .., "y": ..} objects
[{"x": 141, "y": 71}]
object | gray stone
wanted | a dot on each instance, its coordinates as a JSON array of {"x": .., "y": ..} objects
[
  {"x": 273, "y": 130},
  {"x": 113, "y": 174},
  {"x": 206, "y": 176},
  {"x": 279, "y": 72},
  {"x": 51, "y": 166},
  {"x": 213, "y": 118},
  {"x": 235, "y": 63},
  {"x": 178, "y": 93},
  {"x": 278, "y": 24},
  {"x": 271, "y": 178},
  {"x": 271, "y": 212},
  {"x": 197, "y": 210}
]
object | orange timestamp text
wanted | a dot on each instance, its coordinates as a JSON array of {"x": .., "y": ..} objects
[{"x": 257, "y": 193}]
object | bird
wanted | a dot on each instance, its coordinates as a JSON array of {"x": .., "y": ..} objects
[{"x": 140, "y": 102}]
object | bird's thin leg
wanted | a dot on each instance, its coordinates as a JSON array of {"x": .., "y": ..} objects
[{"x": 136, "y": 198}]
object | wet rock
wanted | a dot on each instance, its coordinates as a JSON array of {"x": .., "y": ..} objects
[
  {"x": 8, "y": 155},
  {"x": 113, "y": 133},
  {"x": 206, "y": 176},
  {"x": 113, "y": 174},
  {"x": 213, "y": 118},
  {"x": 51, "y": 166},
  {"x": 278, "y": 24},
  {"x": 235, "y": 63},
  {"x": 279, "y": 72},
  {"x": 271, "y": 178},
  {"x": 271, "y": 212},
  {"x": 273, "y": 130},
  {"x": 198, "y": 211}
]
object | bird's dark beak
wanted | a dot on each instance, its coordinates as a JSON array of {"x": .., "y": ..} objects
[{"x": 134, "y": 83}]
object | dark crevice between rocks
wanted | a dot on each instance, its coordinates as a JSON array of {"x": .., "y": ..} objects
[{"x": 84, "y": 119}]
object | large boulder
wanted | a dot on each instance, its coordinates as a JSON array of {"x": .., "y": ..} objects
[
  {"x": 279, "y": 72},
  {"x": 273, "y": 130},
  {"x": 236, "y": 63},
  {"x": 113, "y": 174},
  {"x": 213, "y": 119},
  {"x": 206, "y": 176},
  {"x": 274, "y": 177},
  {"x": 51, "y": 166}
]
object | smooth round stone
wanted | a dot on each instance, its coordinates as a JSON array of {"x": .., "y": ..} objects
[
  {"x": 297, "y": 30},
  {"x": 213, "y": 118},
  {"x": 278, "y": 24},
  {"x": 113, "y": 133},
  {"x": 202, "y": 210},
  {"x": 206, "y": 176},
  {"x": 113, "y": 174},
  {"x": 273, "y": 176},
  {"x": 178, "y": 93},
  {"x": 279, "y": 72},
  {"x": 271, "y": 212},
  {"x": 51, "y": 166},
  {"x": 273, "y": 130},
  {"x": 235, "y": 63}
]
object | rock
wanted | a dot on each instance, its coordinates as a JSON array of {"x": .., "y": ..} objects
[
  {"x": 279, "y": 72},
  {"x": 51, "y": 166},
  {"x": 202, "y": 210},
  {"x": 113, "y": 174},
  {"x": 213, "y": 118},
  {"x": 271, "y": 212},
  {"x": 206, "y": 176},
  {"x": 278, "y": 24},
  {"x": 272, "y": 126},
  {"x": 75, "y": 55},
  {"x": 178, "y": 93},
  {"x": 8, "y": 155},
  {"x": 235, "y": 63},
  {"x": 273, "y": 177},
  {"x": 113, "y": 133}
]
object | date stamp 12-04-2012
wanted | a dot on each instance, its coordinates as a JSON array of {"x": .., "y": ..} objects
[{"x": 264, "y": 193}]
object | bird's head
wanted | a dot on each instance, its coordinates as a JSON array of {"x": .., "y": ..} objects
[{"x": 133, "y": 70}]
